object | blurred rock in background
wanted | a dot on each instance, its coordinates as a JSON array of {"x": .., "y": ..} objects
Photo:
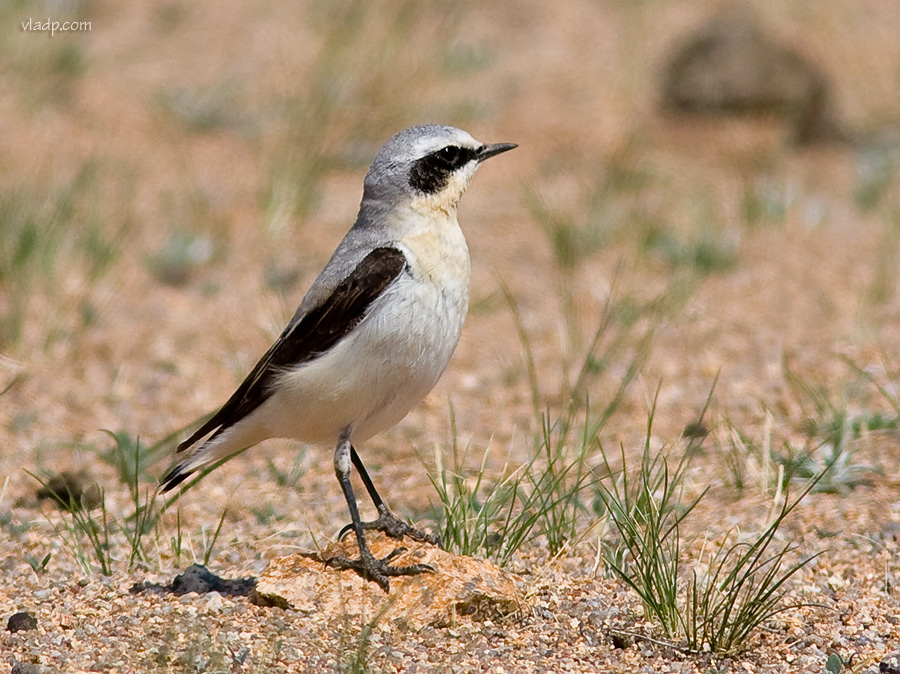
[{"x": 734, "y": 66}]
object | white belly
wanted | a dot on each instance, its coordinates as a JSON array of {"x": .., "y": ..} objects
[{"x": 372, "y": 378}]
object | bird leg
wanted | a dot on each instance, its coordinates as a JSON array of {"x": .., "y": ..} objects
[
  {"x": 367, "y": 566},
  {"x": 386, "y": 522}
]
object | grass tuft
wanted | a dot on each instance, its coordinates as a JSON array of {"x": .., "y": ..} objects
[
  {"x": 545, "y": 498},
  {"x": 646, "y": 511},
  {"x": 95, "y": 537},
  {"x": 538, "y": 499},
  {"x": 477, "y": 517},
  {"x": 719, "y": 605}
]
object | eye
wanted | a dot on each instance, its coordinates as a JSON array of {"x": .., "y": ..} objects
[
  {"x": 451, "y": 154},
  {"x": 454, "y": 157}
]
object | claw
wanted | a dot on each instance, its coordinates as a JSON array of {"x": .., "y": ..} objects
[
  {"x": 395, "y": 528},
  {"x": 379, "y": 570},
  {"x": 347, "y": 529}
]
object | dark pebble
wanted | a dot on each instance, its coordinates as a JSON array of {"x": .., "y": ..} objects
[
  {"x": 21, "y": 621},
  {"x": 890, "y": 665},
  {"x": 197, "y": 579}
]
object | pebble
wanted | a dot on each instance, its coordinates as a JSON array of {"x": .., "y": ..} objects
[
  {"x": 890, "y": 665},
  {"x": 215, "y": 603},
  {"x": 21, "y": 621},
  {"x": 196, "y": 578}
]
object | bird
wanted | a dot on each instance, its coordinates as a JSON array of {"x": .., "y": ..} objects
[{"x": 371, "y": 337}]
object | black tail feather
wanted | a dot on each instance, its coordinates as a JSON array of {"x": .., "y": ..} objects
[{"x": 175, "y": 477}]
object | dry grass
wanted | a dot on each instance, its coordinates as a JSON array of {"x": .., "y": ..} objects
[{"x": 172, "y": 180}]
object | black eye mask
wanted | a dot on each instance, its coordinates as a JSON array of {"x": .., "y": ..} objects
[{"x": 431, "y": 173}]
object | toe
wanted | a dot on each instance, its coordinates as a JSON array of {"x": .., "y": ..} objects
[{"x": 379, "y": 570}]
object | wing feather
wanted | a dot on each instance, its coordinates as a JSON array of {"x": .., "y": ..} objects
[{"x": 309, "y": 336}]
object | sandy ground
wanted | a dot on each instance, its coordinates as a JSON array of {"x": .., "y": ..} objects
[{"x": 220, "y": 148}]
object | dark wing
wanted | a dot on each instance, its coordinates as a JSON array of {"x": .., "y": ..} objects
[{"x": 309, "y": 337}]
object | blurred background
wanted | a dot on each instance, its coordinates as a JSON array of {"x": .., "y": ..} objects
[{"x": 720, "y": 180}]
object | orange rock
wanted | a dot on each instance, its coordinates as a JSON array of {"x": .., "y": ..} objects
[{"x": 459, "y": 587}]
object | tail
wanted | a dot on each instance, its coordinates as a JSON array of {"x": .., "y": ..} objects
[
  {"x": 176, "y": 476},
  {"x": 219, "y": 447},
  {"x": 182, "y": 471}
]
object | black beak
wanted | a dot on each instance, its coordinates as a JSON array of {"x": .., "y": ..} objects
[{"x": 490, "y": 150}]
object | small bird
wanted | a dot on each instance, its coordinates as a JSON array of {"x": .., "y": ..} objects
[{"x": 373, "y": 334}]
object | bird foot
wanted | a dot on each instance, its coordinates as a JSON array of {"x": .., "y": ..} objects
[
  {"x": 395, "y": 528},
  {"x": 378, "y": 570}
]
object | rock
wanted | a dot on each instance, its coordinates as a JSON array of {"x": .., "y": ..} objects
[
  {"x": 71, "y": 491},
  {"x": 199, "y": 580},
  {"x": 460, "y": 586},
  {"x": 732, "y": 65},
  {"x": 21, "y": 621},
  {"x": 196, "y": 578},
  {"x": 890, "y": 665}
]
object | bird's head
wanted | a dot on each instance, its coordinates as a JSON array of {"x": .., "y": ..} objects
[{"x": 428, "y": 166}]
